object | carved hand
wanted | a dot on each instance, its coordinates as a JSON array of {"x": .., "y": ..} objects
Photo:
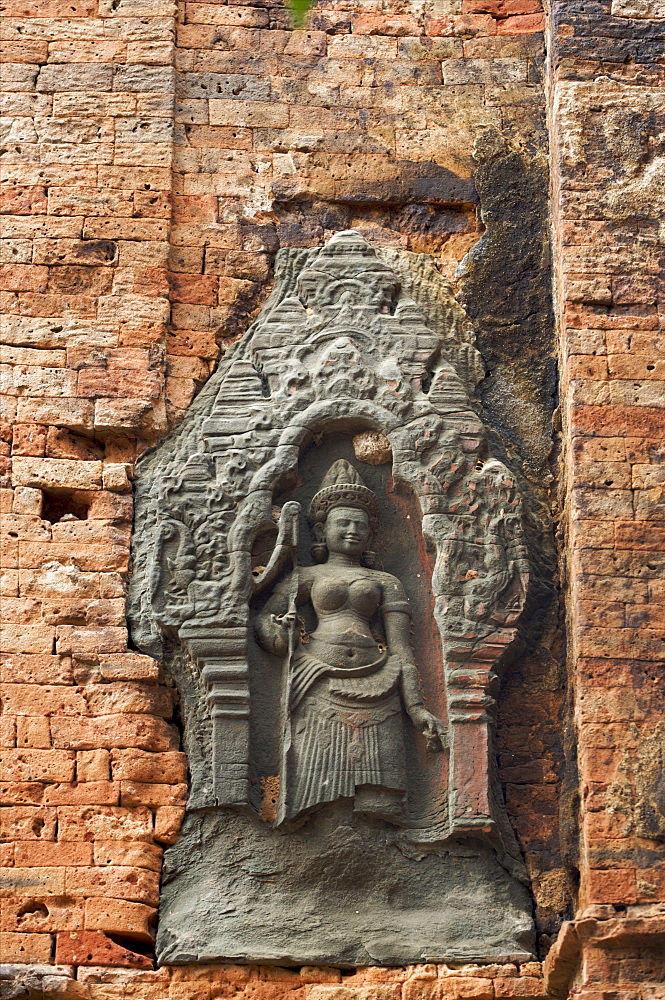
[
  {"x": 286, "y": 621},
  {"x": 433, "y": 729}
]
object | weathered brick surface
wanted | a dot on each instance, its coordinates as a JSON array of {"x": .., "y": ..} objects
[
  {"x": 156, "y": 155},
  {"x": 85, "y": 226},
  {"x": 607, "y": 99}
]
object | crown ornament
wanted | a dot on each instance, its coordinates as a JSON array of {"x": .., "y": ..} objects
[{"x": 342, "y": 487}]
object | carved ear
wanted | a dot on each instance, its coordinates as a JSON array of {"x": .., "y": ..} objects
[{"x": 319, "y": 547}]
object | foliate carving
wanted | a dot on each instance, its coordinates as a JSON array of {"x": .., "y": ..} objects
[{"x": 363, "y": 358}]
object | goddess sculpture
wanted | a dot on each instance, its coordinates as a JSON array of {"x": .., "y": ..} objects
[
  {"x": 369, "y": 849},
  {"x": 348, "y": 681}
]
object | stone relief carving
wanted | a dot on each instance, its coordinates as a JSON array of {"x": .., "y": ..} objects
[
  {"x": 344, "y": 686},
  {"x": 338, "y": 703}
]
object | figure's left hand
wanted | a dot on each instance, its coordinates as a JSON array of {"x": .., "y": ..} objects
[{"x": 433, "y": 729}]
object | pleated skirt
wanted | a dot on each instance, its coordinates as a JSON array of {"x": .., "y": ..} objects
[{"x": 336, "y": 748}]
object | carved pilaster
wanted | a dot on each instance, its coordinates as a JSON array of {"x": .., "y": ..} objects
[{"x": 221, "y": 654}]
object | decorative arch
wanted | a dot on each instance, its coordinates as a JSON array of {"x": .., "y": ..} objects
[{"x": 340, "y": 345}]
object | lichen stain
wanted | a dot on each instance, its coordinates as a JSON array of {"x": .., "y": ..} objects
[{"x": 640, "y": 792}]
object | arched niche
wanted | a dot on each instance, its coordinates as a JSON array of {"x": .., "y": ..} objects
[{"x": 346, "y": 344}]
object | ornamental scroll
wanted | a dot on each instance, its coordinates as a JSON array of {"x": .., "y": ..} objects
[{"x": 334, "y": 569}]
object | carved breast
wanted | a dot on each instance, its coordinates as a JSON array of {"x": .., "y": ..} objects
[{"x": 331, "y": 595}]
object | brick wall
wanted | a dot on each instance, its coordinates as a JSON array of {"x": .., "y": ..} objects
[
  {"x": 608, "y": 112},
  {"x": 147, "y": 184},
  {"x": 86, "y": 207}
]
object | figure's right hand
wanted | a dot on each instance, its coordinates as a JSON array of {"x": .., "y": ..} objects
[{"x": 286, "y": 621}]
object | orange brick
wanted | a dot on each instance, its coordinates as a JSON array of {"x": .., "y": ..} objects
[
  {"x": 643, "y": 536},
  {"x": 194, "y": 288},
  {"x": 618, "y": 421},
  {"x": 42, "y": 699},
  {"x": 135, "y": 854},
  {"x": 36, "y": 669},
  {"x": 95, "y": 948},
  {"x": 137, "y": 884},
  {"x": 109, "y": 731},
  {"x": 56, "y": 473},
  {"x": 41, "y": 914},
  {"x": 30, "y": 854},
  {"x": 526, "y": 24},
  {"x": 104, "y": 823},
  {"x": 8, "y": 731},
  {"x": 106, "y": 699},
  {"x": 119, "y": 916},
  {"x": 26, "y": 638},
  {"x": 23, "y": 277},
  {"x": 469, "y": 25},
  {"x": 190, "y": 343},
  {"x": 128, "y": 667},
  {"x": 136, "y": 793},
  {"x": 168, "y": 820},
  {"x": 26, "y": 948},
  {"x": 502, "y": 8},
  {"x": 36, "y": 765},
  {"x": 20, "y": 199},
  {"x": 386, "y": 24},
  {"x": 22, "y": 793},
  {"x": 524, "y": 986},
  {"x": 103, "y": 793},
  {"x": 30, "y": 51},
  {"x": 103, "y": 639},
  {"x": 130, "y": 384},
  {"x": 33, "y": 732},
  {"x": 31, "y": 881},
  {"x": 195, "y": 208},
  {"x": 22, "y": 822},
  {"x": 613, "y": 886},
  {"x": 93, "y": 765},
  {"x": 29, "y": 439},
  {"x": 137, "y": 765}
]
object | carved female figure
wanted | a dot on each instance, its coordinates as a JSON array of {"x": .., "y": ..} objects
[{"x": 348, "y": 684}]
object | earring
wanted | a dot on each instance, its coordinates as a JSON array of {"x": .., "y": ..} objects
[
  {"x": 319, "y": 552},
  {"x": 369, "y": 558}
]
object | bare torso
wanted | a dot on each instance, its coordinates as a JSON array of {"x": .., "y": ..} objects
[{"x": 345, "y": 600}]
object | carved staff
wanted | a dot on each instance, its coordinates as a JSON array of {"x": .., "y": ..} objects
[{"x": 290, "y": 619}]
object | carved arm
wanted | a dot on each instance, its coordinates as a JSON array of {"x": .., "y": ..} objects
[
  {"x": 285, "y": 548},
  {"x": 396, "y": 624}
]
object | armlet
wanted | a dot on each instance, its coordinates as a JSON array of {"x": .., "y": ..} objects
[{"x": 402, "y": 606}]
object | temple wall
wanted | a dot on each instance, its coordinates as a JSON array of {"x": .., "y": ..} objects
[
  {"x": 606, "y": 113},
  {"x": 154, "y": 159}
]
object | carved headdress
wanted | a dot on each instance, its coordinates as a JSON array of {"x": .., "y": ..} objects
[{"x": 343, "y": 487}]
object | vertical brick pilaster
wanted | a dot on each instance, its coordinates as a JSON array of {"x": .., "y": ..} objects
[
  {"x": 86, "y": 207},
  {"x": 606, "y": 99}
]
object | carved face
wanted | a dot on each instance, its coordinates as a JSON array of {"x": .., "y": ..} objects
[{"x": 347, "y": 531}]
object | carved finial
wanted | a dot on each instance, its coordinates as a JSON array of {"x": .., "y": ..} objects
[
  {"x": 342, "y": 486},
  {"x": 340, "y": 473}
]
